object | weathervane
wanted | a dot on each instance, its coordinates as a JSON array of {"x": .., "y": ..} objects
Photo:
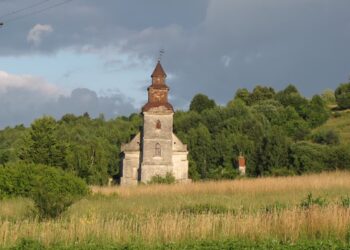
[{"x": 161, "y": 53}]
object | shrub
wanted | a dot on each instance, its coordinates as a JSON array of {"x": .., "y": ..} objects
[
  {"x": 342, "y": 96},
  {"x": 338, "y": 157},
  {"x": 51, "y": 189},
  {"x": 336, "y": 114},
  {"x": 345, "y": 201},
  {"x": 168, "y": 179},
  {"x": 329, "y": 137},
  {"x": 308, "y": 157},
  {"x": 309, "y": 201},
  {"x": 282, "y": 172}
]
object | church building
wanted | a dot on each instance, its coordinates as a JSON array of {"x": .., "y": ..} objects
[{"x": 156, "y": 150}]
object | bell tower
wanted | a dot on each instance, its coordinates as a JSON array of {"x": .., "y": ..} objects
[
  {"x": 157, "y": 139},
  {"x": 155, "y": 150}
]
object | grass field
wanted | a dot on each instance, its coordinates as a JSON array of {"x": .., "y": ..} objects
[{"x": 254, "y": 213}]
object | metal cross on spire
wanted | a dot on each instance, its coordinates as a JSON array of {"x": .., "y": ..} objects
[{"x": 161, "y": 53}]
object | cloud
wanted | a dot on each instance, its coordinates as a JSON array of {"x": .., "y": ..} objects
[
  {"x": 10, "y": 82},
  {"x": 36, "y": 34},
  {"x": 226, "y": 60},
  {"x": 268, "y": 42},
  {"x": 25, "y": 98}
]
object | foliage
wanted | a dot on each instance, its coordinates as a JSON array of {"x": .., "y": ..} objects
[
  {"x": 329, "y": 137},
  {"x": 201, "y": 102},
  {"x": 328, "y": 96},
  {"x": 52, "y": 190},
  {"x": 167, "y": 179},
  {"x": 261, "y": 93},
  {"x": 345, "y": 201},
  {"x": 242, "y": 94},
  {"x": 268, "y": 128},
  {"x": 308, "y": 157},
  {"x": 309, "y": 201},
  {"x": 342, "y": 95}
]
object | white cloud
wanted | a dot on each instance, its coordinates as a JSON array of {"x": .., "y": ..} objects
[
  {"x": 226, "y": 60},
  {"x": 36, "y": 34},
  {"x": 27, "y": 83}
]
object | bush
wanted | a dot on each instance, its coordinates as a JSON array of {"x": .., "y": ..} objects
[
  {"x": 329, "y": 137},
  {"x": 309, "y": 201},
  {"x": 52, "y": 189},
  {"x": 338, "y": 157},
  {"x": 342, "y": 96},
  {"x": 282, "y": 172},
  {"x": 345, "y": 201},
  {"x": 168, "y": 179},
  {"x": 308, "y": 157}
]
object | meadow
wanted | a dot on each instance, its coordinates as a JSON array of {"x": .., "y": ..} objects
[{"x": 254, "y": 213}]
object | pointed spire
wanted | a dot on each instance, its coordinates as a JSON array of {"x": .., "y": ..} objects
[{"x": 158, "y": 71}]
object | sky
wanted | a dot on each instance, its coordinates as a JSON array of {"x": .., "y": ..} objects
[{"x": 76, "y": 56}]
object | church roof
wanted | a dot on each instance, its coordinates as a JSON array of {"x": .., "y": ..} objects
[{"x": 158, "y": 71}]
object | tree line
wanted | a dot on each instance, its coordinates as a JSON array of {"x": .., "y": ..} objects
[{"x": 273, "y": 130}]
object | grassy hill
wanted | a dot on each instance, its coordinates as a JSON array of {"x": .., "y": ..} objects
[
  {"x": 339, "y": 122},
  {"x": 265, "y": 213}
]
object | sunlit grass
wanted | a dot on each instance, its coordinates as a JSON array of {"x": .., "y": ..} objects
[{"x": 249, "y": 209}]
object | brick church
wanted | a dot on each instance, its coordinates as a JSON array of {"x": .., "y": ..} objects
[{"x": 155, "y": 150}]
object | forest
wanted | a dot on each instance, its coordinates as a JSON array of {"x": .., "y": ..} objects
[{"x": 279, "y": 132}]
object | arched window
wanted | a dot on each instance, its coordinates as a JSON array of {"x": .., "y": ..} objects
[
  {"x": 158, "y": 125},
  {"x": 158, "y": 150}
]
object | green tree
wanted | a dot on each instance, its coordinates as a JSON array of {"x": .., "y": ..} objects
[
  {"x": 4, "y": 157},
  {"x": 308, "y": 157},
  {"x": 328, "y": 96},
  {"x": 261, "y": 93},
  {"x": 290, "y": 96},
  {"x": 200, "y": 144},
  {"x": 201, "y": 102},
  {"x": 43, "y": 146},
  {"x": 273, "y": 152},
  {"x": 342, "y": 95},
  {"x": 51, "y": 189},
  {"x": 242, "y": 94},
  {"x": 316, "y": 112},
  {"x": 295, "y": 127}
]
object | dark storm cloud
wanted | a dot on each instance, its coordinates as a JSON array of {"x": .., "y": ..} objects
[{"x": 212, "y": 47}]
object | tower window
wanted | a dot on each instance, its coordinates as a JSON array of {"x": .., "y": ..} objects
[
  {"x": 158, "y": 150},
  {"x": 158, "y": 125}
]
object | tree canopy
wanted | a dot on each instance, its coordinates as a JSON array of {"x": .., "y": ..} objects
[{"x": 273, "y": 130}]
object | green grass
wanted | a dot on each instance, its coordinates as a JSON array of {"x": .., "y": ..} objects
[{"x": 205, "y": 245}]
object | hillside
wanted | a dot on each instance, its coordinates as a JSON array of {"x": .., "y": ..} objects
[
  {"x": 270, "y": 212},
  {"x": 340, "y": 123}
]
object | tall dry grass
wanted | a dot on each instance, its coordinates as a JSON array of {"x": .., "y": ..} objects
[
  {"x": 252, "y": 209},
  {"x": 289, "y": 225},
  {"x": 338, "y": 179}
]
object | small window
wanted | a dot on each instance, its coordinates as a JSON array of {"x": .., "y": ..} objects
[
  {"x": 158, "y": 125},
  {"x": 158, "y": 150}
]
